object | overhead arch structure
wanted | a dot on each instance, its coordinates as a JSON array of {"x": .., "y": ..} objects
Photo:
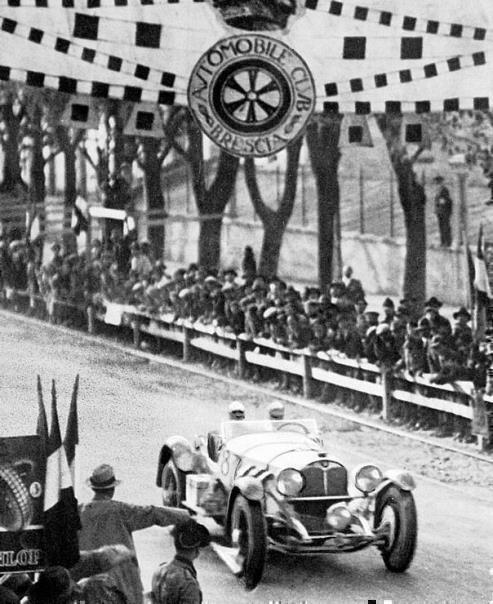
[{"x": 329, "y": 55}]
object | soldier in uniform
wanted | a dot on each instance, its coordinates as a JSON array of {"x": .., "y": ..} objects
[{"x": 176, "y": 582}]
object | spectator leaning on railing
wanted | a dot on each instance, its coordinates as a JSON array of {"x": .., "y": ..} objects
[{"x": 122, "y": 270}]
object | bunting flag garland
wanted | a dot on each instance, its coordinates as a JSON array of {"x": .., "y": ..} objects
[
  {"x": 404, "y": 76},
  {"x": 61, "y": 518},
  {"x": 388, "y": 18},
  {"x": 393, "y": 56},
  {"x": 87, "y": 54}
]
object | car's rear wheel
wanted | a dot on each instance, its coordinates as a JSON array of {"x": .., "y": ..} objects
[
  {"x": 15, "y": 503},
  {"x": 173, "y": 484},
  {"x": 248, "y": 534},
  {"x": 396, "y": 515}
]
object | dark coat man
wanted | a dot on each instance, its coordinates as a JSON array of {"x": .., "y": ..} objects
[
  {"x": 108, "y": 522},
  {"x": 443, "y": 211}
]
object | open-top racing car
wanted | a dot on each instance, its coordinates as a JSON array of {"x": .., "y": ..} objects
[{"x": 271, "y": 484}]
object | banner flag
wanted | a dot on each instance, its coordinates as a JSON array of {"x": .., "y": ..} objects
[{"x": 61, "y": 516}]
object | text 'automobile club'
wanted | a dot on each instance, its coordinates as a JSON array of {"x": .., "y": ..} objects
[{"x": 251, "y": 94}]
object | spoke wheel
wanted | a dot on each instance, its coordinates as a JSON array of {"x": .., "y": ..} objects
[
  {"x": 395, "y": 515},
  {"x": 173, "y": 483},
  {"x": 251, "y": 96},
  {"x": 248, "y": 535}
]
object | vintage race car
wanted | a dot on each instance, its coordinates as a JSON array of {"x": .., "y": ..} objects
[{"x": 271, "y": 484}]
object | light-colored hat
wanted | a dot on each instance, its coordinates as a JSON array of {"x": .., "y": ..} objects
[
  {"x": 236, "y": 407},
  {"x": 102, "y": 477},
  {"x": 276, "y": 410}
]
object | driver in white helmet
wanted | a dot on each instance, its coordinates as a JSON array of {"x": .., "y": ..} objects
[
  {"x": 276, "y": 410},
  {"x": 236, "y": 411}
]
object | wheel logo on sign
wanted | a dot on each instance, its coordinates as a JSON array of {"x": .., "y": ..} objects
[{"x": 251, "y": 94}]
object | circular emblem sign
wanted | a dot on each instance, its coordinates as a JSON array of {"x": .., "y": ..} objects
[{"x": 251, "y": 94}]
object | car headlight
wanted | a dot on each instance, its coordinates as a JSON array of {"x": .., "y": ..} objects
[
  {"x": 290, "y": 482},
  {"x": 367, "y": 478},
  {"x": 338, "y": 516}
]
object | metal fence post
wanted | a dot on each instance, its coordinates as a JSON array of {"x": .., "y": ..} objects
[
  {"x": 391, "y": 191},
  {"x": 361, "y": 202}
]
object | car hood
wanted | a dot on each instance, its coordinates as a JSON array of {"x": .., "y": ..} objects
[{"x": 277, "y": 450}]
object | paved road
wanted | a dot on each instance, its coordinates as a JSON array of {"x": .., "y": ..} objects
[{"x": 129, "y": 406}]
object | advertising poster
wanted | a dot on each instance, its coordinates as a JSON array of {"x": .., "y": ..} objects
[{"x": 22, "y": 476}]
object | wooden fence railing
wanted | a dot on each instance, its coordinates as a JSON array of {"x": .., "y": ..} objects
[{"x": 354, "y": 380}]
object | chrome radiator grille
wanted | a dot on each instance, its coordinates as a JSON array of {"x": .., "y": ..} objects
[{"x": 324, "y": 478}]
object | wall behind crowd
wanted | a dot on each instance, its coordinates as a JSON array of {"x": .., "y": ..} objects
[{"x": 378, "y": 262}]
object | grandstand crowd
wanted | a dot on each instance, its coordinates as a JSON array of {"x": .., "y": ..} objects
[{"x": 239, "y": 300}]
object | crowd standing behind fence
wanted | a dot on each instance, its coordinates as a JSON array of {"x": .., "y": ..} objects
[{"x": 123, "y": 271}]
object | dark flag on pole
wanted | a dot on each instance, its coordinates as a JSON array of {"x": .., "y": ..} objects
[
  {"x": 71, "y": 439},
  {"x": 61, "y": 517},
  {"x": 42, "y": 425}
]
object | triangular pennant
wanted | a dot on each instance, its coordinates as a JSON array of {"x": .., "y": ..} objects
[
  {"x": 81, "y": 112},
  {"x": 355, "y": 131},
  {"x": 144, "y": 120},
  {"x": 71, "y": 439},
  {"x": 42, "y": 425}
]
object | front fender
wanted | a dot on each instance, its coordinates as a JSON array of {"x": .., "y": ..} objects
[
  {"x": 164, "y": 456},
  {"x": 400, "y": 478},
  {"x": 250, "y": 487}
]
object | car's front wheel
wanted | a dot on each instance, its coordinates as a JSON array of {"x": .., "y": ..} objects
[
  {"x": 248, "y": 534},
  {"x": 173, "y": 483},
  {"x": 396, "y": 516}
]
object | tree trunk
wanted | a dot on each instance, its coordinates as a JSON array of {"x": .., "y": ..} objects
[
  {"x": 37, "y": 190},
  {"x": 152, "y": 173},
  {"x": 412, "y": 197},
  {"x": 271, "y": 247},
  {"x": 414, "y": 207},
  {"x": 210, "y": 241},
  {"x": 274, "y": 221},
  {"x": 11, "y": 161},
  {"x": 323, "y": 146}
]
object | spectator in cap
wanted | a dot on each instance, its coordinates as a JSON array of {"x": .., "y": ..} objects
[
  {"x": 176, "y": 582},
  {"x": 109, "y": 522},
  {"x": 462, "y": 332},
  {"x": 354, "y": 289},
  {"x": 248, "y": 264},
  {"x": 276, "y": 410},
  {"x": 236, "y": 411},
  {"x": 54, "y": 586},
  {"x": 388, "y": 311},
  {"x": 437, "y": 321}
]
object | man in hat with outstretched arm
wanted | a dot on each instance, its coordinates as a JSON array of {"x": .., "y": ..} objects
[
  {"x": 176, "y": 582},
  {"x": 109, "y": 522}
]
